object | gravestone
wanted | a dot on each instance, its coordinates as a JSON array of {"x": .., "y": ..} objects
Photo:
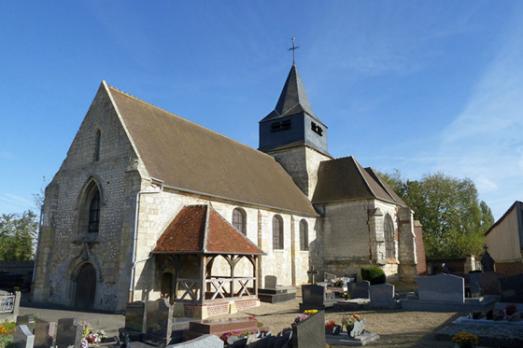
[
  {"x": 512, "y": 289},
  {"x": 489, "y": 282},
  {"x": 273, "y": 293},
  {"x": 205, "y": 341},
  {"x": 69, "y": 333},
  {"x": 487, "y": 262},
  {"x": 316, "y": 297},
  {"x": 45, "y": 334},
  {"x": 474, "y": 284},
  {"x": 218, "y": 327},
  {"x": 309, "y": 332},
  {"x": 135, "y": 317},
  {"x": 382, "y": 296},
  {"x": 271, "y": 282},
  {"x": 23, "y": 338},
  {"x": 445, "y": 288},
  {"x": 158, "y": 328},
  {"x": 359, "y": 289}
]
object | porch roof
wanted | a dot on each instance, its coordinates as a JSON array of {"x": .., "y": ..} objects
[{"x": 199, "y": 229}]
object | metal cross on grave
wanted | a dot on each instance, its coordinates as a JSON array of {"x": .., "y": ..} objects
[{"x": 312, "y": 275}]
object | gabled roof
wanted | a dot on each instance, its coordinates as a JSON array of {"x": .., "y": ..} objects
[
  {"x": 293, "y": 98},
  {"x": 345, "y": 179},
  {"x": 516, "y": 204},
  {"x": 199, "y": 229},
  {"x": 386, "y": 187},
  {"x": 191, "y": 158}
]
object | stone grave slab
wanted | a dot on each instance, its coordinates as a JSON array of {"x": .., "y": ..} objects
[
  {"x": 205, "y": 341},
  {"x": 346, "y": 341},
  {"x": 274, "y": 293},
  {"x": 219, "y": 326},
  {"x": 489, "y": 282},
  {"x": 135, "y": 317},
  {"x": 158, "y": 328},
  {"x": 316, "y": 297},
  {"x": 443, "y": 288},
  {"x": 512, "y": 289},
  {"x": 68, "y": 333},
  {"x": 382, "y": 296},
  {"x": 474, "y": 284},
  {"x": 359, "y": 289},
  {"x": 310, "y": 333},
  {"x": 45, "y": 334},
  {"x": 23, "y": 337}
]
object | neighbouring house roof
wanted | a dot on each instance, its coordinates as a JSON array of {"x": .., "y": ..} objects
[
  {"x": 199, "y": 229},
  {"x": 293, "y": 99},
  {"x": 516, "y": 204},
  {"x": 345, "y": 179},
  {"x": 194, "y": 159}
]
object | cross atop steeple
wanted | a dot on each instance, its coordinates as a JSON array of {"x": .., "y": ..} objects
[{"x": 293, "y": 48}]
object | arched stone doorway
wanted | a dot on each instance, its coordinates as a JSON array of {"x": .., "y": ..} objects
[{"x": 85, "y": 286}]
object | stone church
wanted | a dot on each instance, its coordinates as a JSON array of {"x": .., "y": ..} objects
[{"x": 149, "y": 204}]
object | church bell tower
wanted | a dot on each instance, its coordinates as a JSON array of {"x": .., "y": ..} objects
[{"x": 294, "y": 135}]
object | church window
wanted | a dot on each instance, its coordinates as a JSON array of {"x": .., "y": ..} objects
[
  {"x": 239, "y": 220},
  {"x": 97, "y": 145},
  {"x": 304, "y": 235},
  {"x": 94, "y": 213},
  {"x": 277, "y": 232},
  {"x": 316, "y": 129},
  {"x": 390, "y": 243},
  {"x": 90, "y": 207}
]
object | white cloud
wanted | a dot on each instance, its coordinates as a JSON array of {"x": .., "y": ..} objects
[{"x": 485, "y": 140}]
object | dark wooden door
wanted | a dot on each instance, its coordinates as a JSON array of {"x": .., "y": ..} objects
[{"x": 85, "y": 287}]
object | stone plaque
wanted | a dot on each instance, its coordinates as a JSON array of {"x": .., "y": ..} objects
[
  {"x": 512, "y": 289},
  {"x": 270, "y": 282},
  {"x": 445, "y": 288},
  {"x": 359, "y": 289},
  {"x": 382, "y": 295},
  {"x": 159, "y": 321},
  {"x": 45, "y": 334},
  {"x": 69, "y": 333},
  {"x": 489, "y": 282},
  {"x": 134, "y": 317},
  {"x": 23, "y": 338},
  {"x": 310, "y": 332},
  {"x": 205, "y": 341}
]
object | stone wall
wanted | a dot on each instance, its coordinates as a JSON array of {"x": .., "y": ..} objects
[
  {"x": 64, "y": 245},
  {"x": 157, "y": 210},
  {"x": 302, "y": 163}
]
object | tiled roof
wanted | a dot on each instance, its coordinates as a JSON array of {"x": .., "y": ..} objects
[
  {"x": 199, "y": 229},
  {"x": 345, "y": 179},
  {"x": 191, "y": 158}
]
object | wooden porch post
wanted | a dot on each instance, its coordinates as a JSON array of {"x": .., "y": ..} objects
[{"x": 203, "y": 275}]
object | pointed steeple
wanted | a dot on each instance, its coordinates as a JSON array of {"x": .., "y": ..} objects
[
  {"x": 293, "y": 98},
  {"x": 292, "y": 122}
]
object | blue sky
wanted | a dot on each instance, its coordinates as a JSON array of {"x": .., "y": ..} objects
[{"x": 418, "y": 86}]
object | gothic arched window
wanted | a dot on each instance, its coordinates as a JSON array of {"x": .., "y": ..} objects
[
  {"x": 304, "y": 235},
  {"x": 277, "y": 232},
  {"x": 94, "y": 213},
  {"x": 90, "y": 205},
  {"x": 390, "y": 243},
  {"x": 98, "y": 139},
  {"x": 239, "y": 220}
]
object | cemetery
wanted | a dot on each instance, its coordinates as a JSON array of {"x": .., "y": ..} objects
[{"x": 329, "y": 313}]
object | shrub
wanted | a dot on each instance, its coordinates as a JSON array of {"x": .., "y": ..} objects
[{"x": 373, "y": 274}]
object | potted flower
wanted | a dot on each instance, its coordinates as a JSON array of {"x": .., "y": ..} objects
[{"x": 465, "y": 340}]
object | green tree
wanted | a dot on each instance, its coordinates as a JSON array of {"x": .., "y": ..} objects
[
  {"x": 17, "y": 233},
  {"x": 453, "y": 219}
]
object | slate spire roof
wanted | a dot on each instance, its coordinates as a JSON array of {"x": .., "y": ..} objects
[{"x": 293, "y": 98}]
